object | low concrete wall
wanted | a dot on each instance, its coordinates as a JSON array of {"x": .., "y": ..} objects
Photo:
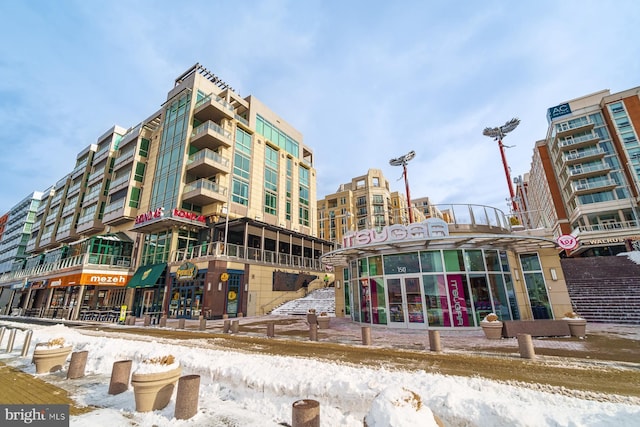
[{"x": 536, "y": 328}]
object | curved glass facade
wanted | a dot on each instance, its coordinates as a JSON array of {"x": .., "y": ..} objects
[{"x": 432, "y": 288}]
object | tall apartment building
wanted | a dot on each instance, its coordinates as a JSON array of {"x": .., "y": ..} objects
[
  {"x": 584, "y": 175},
  {"x": 17, "y": 229},
  {"x": 365, "y": 202},
  {"x": 203, "y": 208}
]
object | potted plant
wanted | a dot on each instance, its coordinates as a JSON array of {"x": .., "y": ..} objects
[
  {"x": 323, "y": 320},
  {"x": 50, "y": 356},
  {"x": 577, "y": 324},
  {"x": 492, "y": 326},
  {"x": 153, "y": 382}
]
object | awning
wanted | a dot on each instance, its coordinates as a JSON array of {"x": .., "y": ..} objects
[
  {"x": 147, "y": 275},
  {"x": 116, "y": 237}
]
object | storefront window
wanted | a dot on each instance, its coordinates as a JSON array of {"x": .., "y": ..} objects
[
  {"x": 431, "y": 261},
  {"x": 511, "y": 294},
  {"x": 435, "y": 295},
  {"x": 375, "y": 266},
  {"x": 492, "y": 260},
  {"x": 481, "y": 296},
  {"x": 363, "y": 268},
  {"x": 474, "y": 260},
  {"x": 378, "y": 301},
  {"x": 500, "y": 300},
  {"x": 460, "y": 302},
  {"x": 453, "y": 260},
  {"x": 365, "y": 301},
  {"x": 536, "y": 287},
  {"x": 401, "y": 263},
  {"x": 347, "y": 296}
]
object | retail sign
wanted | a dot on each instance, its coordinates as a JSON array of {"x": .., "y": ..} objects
[
  {"x": 148, "y": 216},
  {"x": 103, "y": 279},
  {"x": 175, "y": 213},
  {"x": 178, "y": 213},
  {"x": 60, "y": 281},
  {"x": 186, "y": 271},
  {"x": 567, "y": 242},
  {"x": 558, "y": 111},
  {"x": 458, "y": 302},
  {"x": 430, "y": 228},
  {"x": 38, "y": 284},
  {"x": 608, "y": 241}
]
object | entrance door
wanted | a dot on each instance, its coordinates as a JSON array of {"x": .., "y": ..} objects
[
  {"x": 147, "y": 302},
  {"x": 406, "y": 305}
]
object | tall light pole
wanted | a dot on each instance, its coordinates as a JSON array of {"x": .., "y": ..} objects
[
  {"x": 402, "y": 161},
  {"x": 498, "y": 134}
]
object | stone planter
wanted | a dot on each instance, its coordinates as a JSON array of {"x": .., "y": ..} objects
[
  {"x": 153, "y": 391},
  {"x": 323, "y": 322},
  {"x": 50, "y": 359},
  {"x": 578, "y": 327},
  {"x": 492, "y": 330}
]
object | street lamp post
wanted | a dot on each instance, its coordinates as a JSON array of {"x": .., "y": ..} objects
[
  {"x": 498, "y": 133},
  {"x": 402, "y": 161}
]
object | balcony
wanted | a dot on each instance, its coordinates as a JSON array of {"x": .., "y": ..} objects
[
  {"x": 571, "y": 143},
  {"x": 119, "y": 183},
  {"x": 31, "y": 244},
  {"x": 95, "y": 177},
  {"x": 587, "y": 155},
  {"x": 89, "y": 223},
  {"x": 213, "y": 108},
  {"x": 581, "y": 172},
  {"x": 102, "y": 154},
  {"x": 593, "y": 187},
  {"x": 207, "y": 163},
  {"x": 203, "y": 192},
  {"x": 79, "y": 170},
  {"x": 66, "y": 234},
  {"x": 574, "y": 126},
  {"x": 70, "y": 208},
  {"x": 124, "y": 159},
  {"x": 117, "y": 213},
  {"x": 75, "y": 188},
  {"x": 211, "y": 135}
]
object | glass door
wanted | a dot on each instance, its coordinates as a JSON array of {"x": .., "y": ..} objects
[
  {"x": 147, "y": 301},
  {"x": 406, "y": 306}
]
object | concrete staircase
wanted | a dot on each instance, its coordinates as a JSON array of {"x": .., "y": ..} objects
[
  {"x": 322, "y": 299},
  {"x": 604, "y": 289}
]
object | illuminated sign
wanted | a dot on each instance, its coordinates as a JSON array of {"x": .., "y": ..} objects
[
  {"x": 432, "y": 227},
  {"x": 148, "y": 216},
  {"x": 558, "y": 110},
  {"x": 567, "y": 241},
  {"x": 175, "y": 213},
  {"x": 186, "y": 271},
  {"x": 96, "y": 279}
]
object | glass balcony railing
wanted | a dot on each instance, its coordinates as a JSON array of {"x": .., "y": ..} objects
[
  {"x": 208, "y": 154},
  {"x": 209, "y": 125}
]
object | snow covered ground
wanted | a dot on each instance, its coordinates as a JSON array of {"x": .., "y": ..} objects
[{"x": 242, "y": 389}]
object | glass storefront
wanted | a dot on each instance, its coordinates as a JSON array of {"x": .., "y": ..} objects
[
  {"x": 437, "y": 288},
  {"x": 187, "y": 296}
]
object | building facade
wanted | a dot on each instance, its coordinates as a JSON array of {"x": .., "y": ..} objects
[
  {"x": 584, "y": 174},
  {"x": 206, "y": 207},
  {"x": 448, "y": 272}
]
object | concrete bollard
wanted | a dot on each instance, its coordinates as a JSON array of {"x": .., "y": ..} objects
[
  {"x": 130, "y": 321},
  {"x": 187, "y": 397},
  {"x": 77, "y": 364},
  {"x": 163, "y": 321},
  {"x": 225, "y": 316},
  {"x": 27, "y": 343},
  {"x": 2, "y": 329},
  {"x": 147, "y": 320},
  {"x": 313, "y": 332},
  {"x": 305, "y": 413},
  {"x": 181, "y": 323},
  {"x": 525, "y": 345},
  {"x": 240, "y": 314},
  {"x": 235, "y": 326},
  {"x": 120, "y": 375},
  {"x": 366, "y": 335},
  {"x": 434, "y": 341},
  {"x": 271, "y": 329},
  {"x": 203, "y": 323},
  {"x": 226, "y": 327},
  {"x": 12, "y": 338}
]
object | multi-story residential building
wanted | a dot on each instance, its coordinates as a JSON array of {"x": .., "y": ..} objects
[
  {"x": 3, "y": 223},
  {"x": 17, "y": 225},
  {"x": 204, "y": 208},
  {"x": 17, "y": 231},
  {"x": 590, "y": 160}
]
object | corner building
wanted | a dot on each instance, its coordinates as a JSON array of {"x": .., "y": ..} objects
[
  {"x": 584, "y": 178},
  {"x": 203, "y": 208}
]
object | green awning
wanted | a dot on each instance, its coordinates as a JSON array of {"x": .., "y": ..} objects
[{"x": 147, "y": 275}]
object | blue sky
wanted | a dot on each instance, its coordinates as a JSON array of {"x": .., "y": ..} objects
[{"x": 364, "y": 81}]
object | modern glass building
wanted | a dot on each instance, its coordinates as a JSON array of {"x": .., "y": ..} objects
[{"x": 448, "y": 273}]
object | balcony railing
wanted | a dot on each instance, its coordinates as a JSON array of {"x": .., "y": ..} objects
[
  {"x": 209, "y": 125},
  {"x": 594, "y": 185},
  {"x": 117, "y": 261},
  {"x": 621, "y": 225},
  {"x": 217, "y": 249},
  {"x": 114, "y": 206},
  {"x": 217, "y": 99}
]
